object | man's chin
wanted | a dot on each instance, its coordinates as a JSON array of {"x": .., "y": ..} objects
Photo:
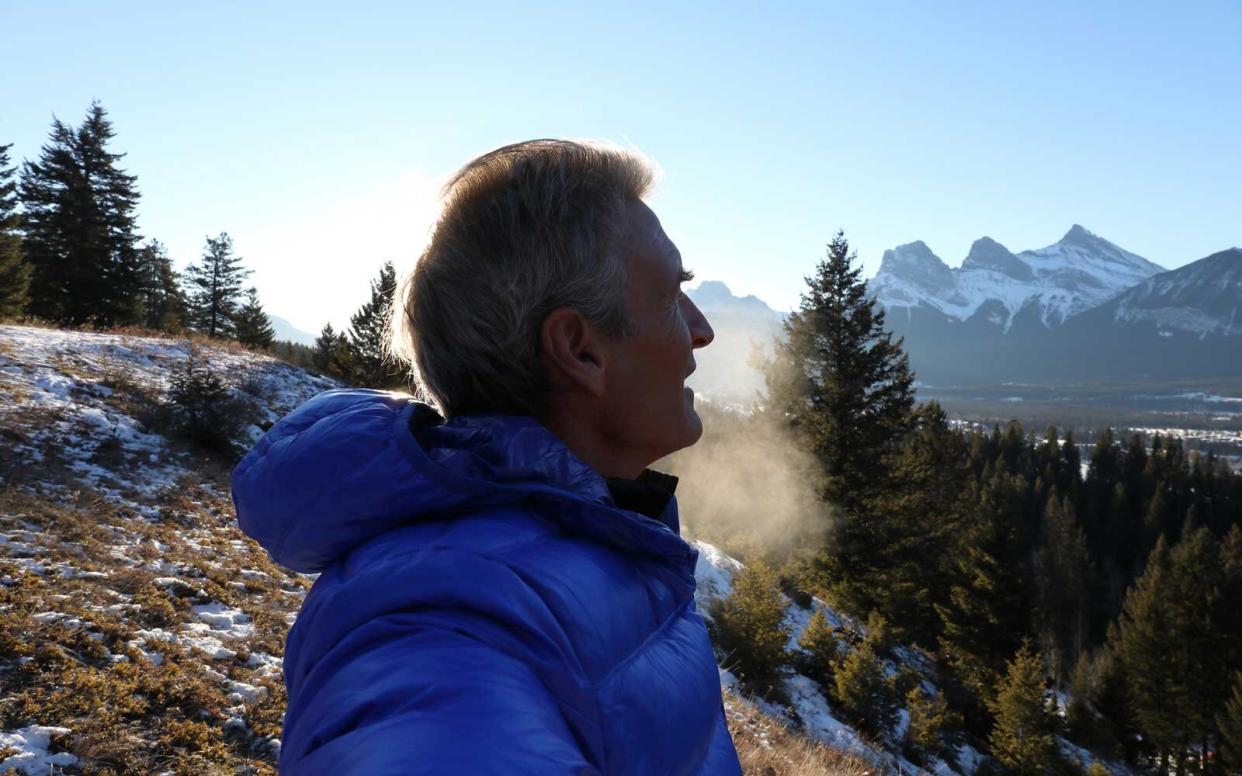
[{"x": 694, "y": 427}]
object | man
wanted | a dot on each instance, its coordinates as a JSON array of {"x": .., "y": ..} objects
[{"x": 503, "y": 589}]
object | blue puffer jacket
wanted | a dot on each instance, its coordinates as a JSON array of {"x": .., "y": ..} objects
[{"x": 483, "y": 606}]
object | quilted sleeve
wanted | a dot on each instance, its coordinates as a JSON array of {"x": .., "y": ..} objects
[
  {"x": 433, "y": 661},
  {"x": 417, "y": 700}
]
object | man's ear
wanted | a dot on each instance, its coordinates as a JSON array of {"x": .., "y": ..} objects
[{"x": 572, "y": 351}]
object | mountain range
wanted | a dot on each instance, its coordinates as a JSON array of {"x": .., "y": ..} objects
[{"x": 1081, "y": 309}]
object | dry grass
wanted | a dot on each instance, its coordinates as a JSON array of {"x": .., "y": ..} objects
[
  {"x": 79, "y": 670},
  {"x": 768, "y": 748}
]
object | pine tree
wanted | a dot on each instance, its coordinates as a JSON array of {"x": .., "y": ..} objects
[
  {"x": 845, "y": 388},
  {"x": 749, "y": 626},
  {"x": 215, "y": 288},
  {"x": 922, "y": 514},
  {"x": 163, "y": 302},
  {"x": 818, "y": 643},
  {"x": 14, "y": 272},
  {"x": 118, "y": 198},
  {"x": 1173, "y": 639},
  {"x": 864, "y": 693},
  {"x": 1144, "y": 641},
  {"x": 80, "y": 232},
  {"x": 1230, "y": 725},
  {"x": 931, "y": 731},
  {"x": 367, "y": 330},
  {"x": 839, "y": 378},
  {"x": 986, "y": 615},
  {"x": 294, "y": 353},
  {"x": 1230, "y": 624},
  {"x": 253, "y": 327},
  {"x": 332, "y": 355},
  {"x": 1022, "y": 737},
  {"x": 1197, "y": 599},
  {"x": 1064, "y": 578}
]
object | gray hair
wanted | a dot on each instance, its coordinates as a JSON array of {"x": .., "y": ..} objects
[{"x": 525, "y": 229}]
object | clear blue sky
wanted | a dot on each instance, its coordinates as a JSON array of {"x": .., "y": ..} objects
[{"x": 316, "y": 133}]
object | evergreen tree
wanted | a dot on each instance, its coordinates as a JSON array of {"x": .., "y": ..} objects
[
  {"x": 818, "y": 643},
  {"x": 1230, "y": 624},
  {"x": 367, "y": 329},
  {"x": 163, "y": 302},
  {"x": 931, "y": 731},
  {"x": 215, "y": 288},
  {"x": 1022, "y": 738},
  {"x": 987, "y": 613},
  {"x": 839, "y": 378},
  {"x": 846, "y": 389},
  {"x": 332, "y": 355},
  {"x": 1064, "y": 581},
  {"x": 14, "y": 272},
  {"x": 1230, "y": 724},
  {"x": 1147, "y": 647},
  {"x": 253, "y": 327},
  {"x": 80, "y": 232},
  {"x": 922, "y": 515},
  {"x": 295, "y": 353},
  {"x": 1197, "y": 601},
  {"x": 1174, "y": 639},
  {"x": 1071, "y": 465},
  {"x": 1100, "y": 714},
  {"x": 749, "y": 626},
  {"x": 864, "y": 693}
]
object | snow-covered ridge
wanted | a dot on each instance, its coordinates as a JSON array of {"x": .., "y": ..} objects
[
  {"x": 1077, "y": 273},
  {"x": 1201, "y": 298}
]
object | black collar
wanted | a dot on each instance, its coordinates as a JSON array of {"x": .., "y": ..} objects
[{"x": 648, "y": 495}]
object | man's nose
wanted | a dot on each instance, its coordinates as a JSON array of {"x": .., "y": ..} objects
[{"x": 701, "y": 333}]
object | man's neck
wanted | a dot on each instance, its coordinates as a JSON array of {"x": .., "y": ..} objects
[{"x": 593, "y": 447}]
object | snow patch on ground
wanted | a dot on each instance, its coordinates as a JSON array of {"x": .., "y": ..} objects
[
  {"x": 62, "y": 382},
  {"x": 32, "y": 757}
]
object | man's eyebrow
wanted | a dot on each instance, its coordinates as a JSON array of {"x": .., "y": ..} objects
[{"x": 685, "y": 276}]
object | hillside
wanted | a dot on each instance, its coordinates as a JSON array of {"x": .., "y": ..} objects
[{"x": 140, "y": 630}]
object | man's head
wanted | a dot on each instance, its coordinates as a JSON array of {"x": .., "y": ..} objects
[{"x": 550, "y": 289}]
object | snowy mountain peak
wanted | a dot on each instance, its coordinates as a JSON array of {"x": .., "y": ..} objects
[
  {"x": 913, "y": 254},
  {"x": 915, "y": 264},
  {"x": 1080, "y": 234},
  {"x": 988, "y": 254}
]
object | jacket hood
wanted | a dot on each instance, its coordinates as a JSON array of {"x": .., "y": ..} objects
[{"x": 351, "y": 464}]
